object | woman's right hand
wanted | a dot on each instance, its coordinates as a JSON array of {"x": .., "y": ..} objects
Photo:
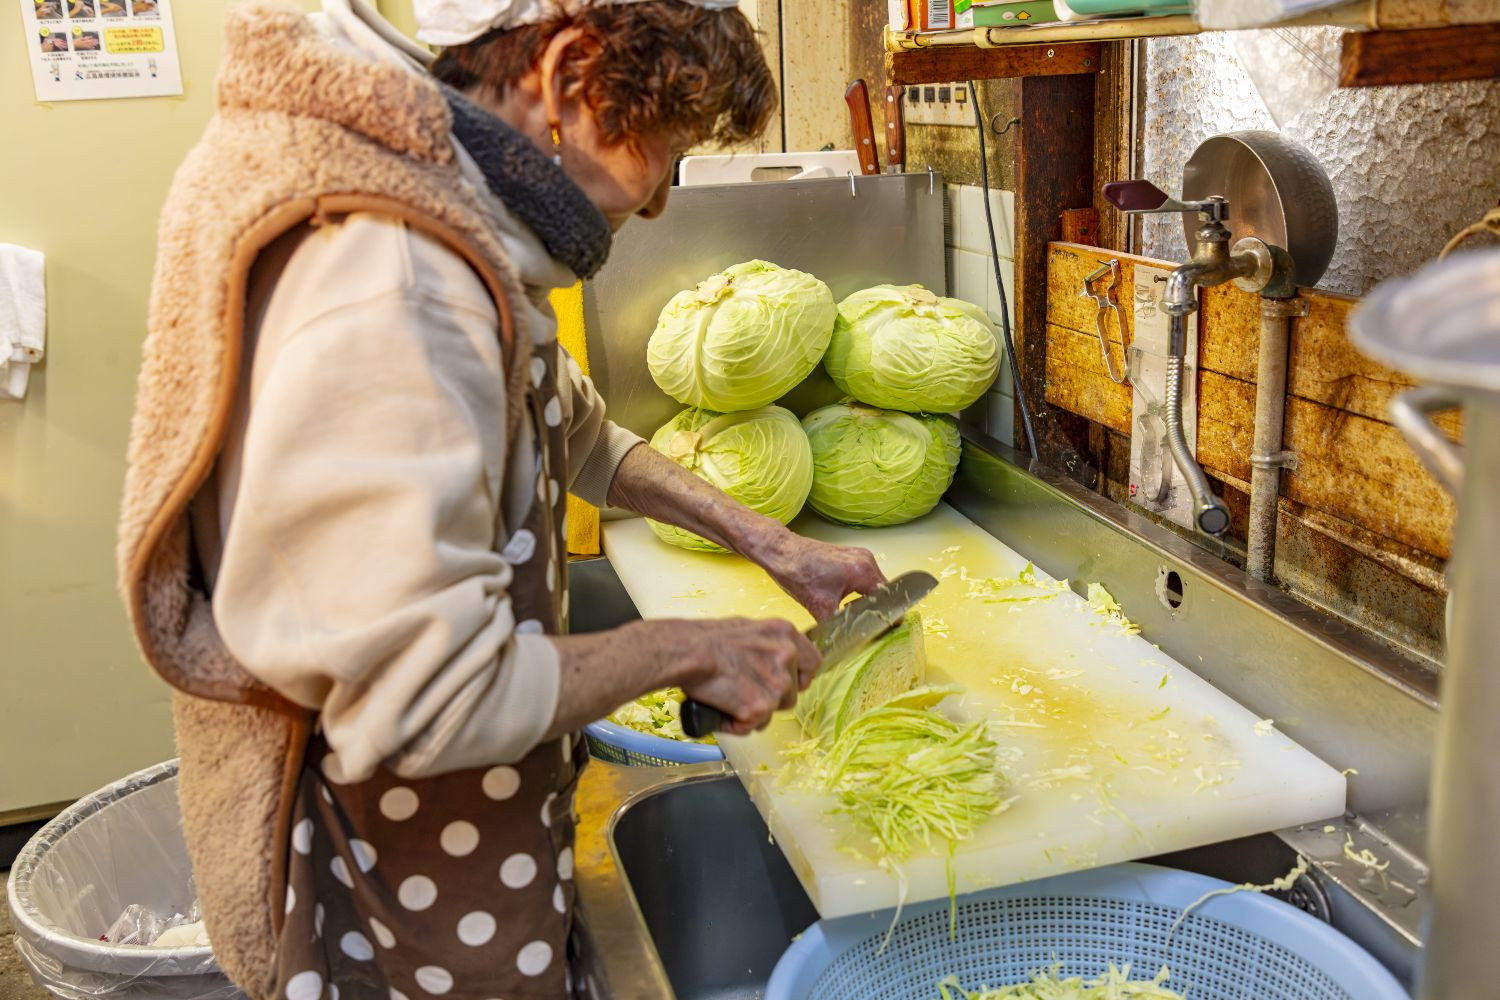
[{"x": 746, "y": 668}]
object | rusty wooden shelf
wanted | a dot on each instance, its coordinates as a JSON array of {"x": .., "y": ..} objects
[
  {"x": 1422, "y": 55},
  {"x": 1412, "y": 43},
  {"x": 952, "y": 62}
]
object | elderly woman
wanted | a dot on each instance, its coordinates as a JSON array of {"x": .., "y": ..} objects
[{"x": 342, "y": 534}]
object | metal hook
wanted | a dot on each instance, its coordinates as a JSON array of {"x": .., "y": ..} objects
[
  {"x": 931, "y": 180},
  {"x": 1102, "y": 304},
  {"x": 853, "y": 192},
  {"x": 1008, "y": 125}
]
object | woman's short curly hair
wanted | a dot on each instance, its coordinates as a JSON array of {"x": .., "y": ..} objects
[{"x": 646, "y": 68}]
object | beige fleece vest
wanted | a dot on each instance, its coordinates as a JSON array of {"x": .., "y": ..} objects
[{"x": 302, "y": 132}]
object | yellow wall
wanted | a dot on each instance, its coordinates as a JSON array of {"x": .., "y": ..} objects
[{"x": 83, "y": 182}]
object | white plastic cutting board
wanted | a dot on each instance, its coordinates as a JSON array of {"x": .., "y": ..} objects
[{"x": 1099, "y": 773}]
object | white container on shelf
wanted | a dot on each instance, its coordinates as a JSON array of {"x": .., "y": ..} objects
[{"x": 744, "y": 168}]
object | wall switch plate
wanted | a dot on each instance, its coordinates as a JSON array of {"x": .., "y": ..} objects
[{"x": 939, "y": 104}]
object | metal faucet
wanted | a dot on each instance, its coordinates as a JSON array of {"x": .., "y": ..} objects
[{"x": 1249, "y": 265}]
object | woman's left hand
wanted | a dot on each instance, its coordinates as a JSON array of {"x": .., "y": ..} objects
[{"x": 820, "y": 575}]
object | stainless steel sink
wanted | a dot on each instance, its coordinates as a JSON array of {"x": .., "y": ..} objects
[
  {"x": 681, "y": 890},
  {"x": 718, "y": 898}
]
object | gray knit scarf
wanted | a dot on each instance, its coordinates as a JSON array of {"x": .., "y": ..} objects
[{"x": 533, "y": 187}]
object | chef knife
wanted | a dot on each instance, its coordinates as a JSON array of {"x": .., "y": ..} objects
[
  {"x": 840, "y": 635},
  {"x": 858, "y": 99},
  {"x": 895, "y": 130}
]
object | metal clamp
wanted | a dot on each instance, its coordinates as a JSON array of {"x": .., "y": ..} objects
[
  {"x": 1275, "y": 460},
  {"x": 1103, "y": 302}
]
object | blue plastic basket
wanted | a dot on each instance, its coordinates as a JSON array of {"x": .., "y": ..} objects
[
  {"x": 620, "y": 745},
  {"x": 1241, "y": 947}
]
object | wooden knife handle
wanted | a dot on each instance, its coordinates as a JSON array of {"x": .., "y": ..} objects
[
  {"x": 858, "y": 99},
  {"x": 895, "y": 129}
]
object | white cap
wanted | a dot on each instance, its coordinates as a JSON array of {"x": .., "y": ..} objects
[{"x": 454, "y": 22}]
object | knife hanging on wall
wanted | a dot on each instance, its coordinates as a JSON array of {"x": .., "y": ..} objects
[
  {"x": 858, "y": 99},
  {"x": 895, "y": 130}
]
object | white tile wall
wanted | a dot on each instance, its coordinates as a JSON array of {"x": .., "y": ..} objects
[{"x": 971, "y": 278}]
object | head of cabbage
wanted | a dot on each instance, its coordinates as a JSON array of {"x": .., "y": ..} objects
[
  {"x": 877, "y": 467},
  {"x": 742, "y": 338},
  {"x": 760, "y": 457},
  {"x": 904, "y": 348}
]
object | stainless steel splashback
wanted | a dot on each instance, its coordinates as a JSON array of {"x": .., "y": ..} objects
[{"x": 885, "y": 228}]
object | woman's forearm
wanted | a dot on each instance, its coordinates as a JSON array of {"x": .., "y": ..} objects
[
  {"x": 818, "y": 575},
  {"x": 649, "y": 483}
]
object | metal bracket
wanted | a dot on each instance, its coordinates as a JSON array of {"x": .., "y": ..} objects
[
  {"x": 1284, "y": 308},
  {"x": 1276, "y": 460},
  {"x": 1104, "y": 302}
]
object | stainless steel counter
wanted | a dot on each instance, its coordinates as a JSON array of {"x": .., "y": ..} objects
[{"x": 1346, "y": 697}]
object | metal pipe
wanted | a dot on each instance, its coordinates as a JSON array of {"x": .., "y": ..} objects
[
  {"x": 1267, "y": 456},
  {"x": 1209, "y": 513}
]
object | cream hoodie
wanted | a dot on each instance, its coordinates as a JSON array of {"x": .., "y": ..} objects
[{"x": 352, "y": 534}]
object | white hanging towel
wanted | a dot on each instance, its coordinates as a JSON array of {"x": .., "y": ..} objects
[{"x": 23, "y": 317}]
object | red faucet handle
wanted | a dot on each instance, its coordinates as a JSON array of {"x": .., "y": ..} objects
[{"x": 1135, "y": 196}]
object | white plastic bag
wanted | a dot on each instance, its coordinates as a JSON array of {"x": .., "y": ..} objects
[{"x": 1253, "y": 13}]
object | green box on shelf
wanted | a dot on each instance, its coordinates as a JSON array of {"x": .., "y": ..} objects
[{"x": 1014, "y": 13}]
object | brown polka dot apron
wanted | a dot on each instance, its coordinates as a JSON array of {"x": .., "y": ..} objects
[{"x": 459, "y": 885}]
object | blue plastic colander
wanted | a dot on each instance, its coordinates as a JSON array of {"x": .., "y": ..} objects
[
  {"x": 1241, "y": 947},
  {"x": 620, "y": 745}
]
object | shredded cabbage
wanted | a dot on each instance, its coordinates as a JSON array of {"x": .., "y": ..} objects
[
  {"x": 909, "y": 776},
  {"x": 1105, "y": 605},
  {"x": 1115, "y": 984},
  {"x": 656, "y": 714},
  {"x": 1282, "y": 884}
]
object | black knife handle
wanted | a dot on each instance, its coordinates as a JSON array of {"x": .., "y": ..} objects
[{"x": 700, "y": 720}]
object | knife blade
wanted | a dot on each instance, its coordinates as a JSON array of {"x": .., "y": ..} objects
[
  {"x": 858, "y": 99},
  {"x": 895, "y": 129},
  {"x": 837, "y": 637}
]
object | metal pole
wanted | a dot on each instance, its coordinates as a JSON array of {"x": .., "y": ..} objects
[
  {"x": 1267, "y": 456},
  {"x": 1464, "y": 931}
]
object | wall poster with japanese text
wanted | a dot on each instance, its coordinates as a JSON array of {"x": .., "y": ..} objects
[{"x": 94, "y": 49}]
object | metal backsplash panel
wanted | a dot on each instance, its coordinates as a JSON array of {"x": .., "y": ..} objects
[{"x": 889, "y": 229}]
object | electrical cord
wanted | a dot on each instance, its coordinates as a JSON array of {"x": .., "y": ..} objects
[{"x": 989, "y": 221}]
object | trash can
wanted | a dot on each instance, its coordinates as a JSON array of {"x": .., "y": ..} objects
[{"x": 121, "y": 845}]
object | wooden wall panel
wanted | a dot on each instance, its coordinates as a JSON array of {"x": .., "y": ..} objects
[
  {"x": 1075, "y": 379},
  {"x": 1353, "y": 465},
  {"x": 1055, "y": 147}
]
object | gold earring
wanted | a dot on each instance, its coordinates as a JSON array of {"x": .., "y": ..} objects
[{"x": 556, "y": 142}]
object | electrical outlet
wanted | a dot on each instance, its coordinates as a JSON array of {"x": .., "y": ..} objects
[{"x": 939, "y": 104}]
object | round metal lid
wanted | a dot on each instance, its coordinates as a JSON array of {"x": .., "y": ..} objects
[
  {"x": 1441, "y": 324},
  {"x": 1277, "y": 190}
]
